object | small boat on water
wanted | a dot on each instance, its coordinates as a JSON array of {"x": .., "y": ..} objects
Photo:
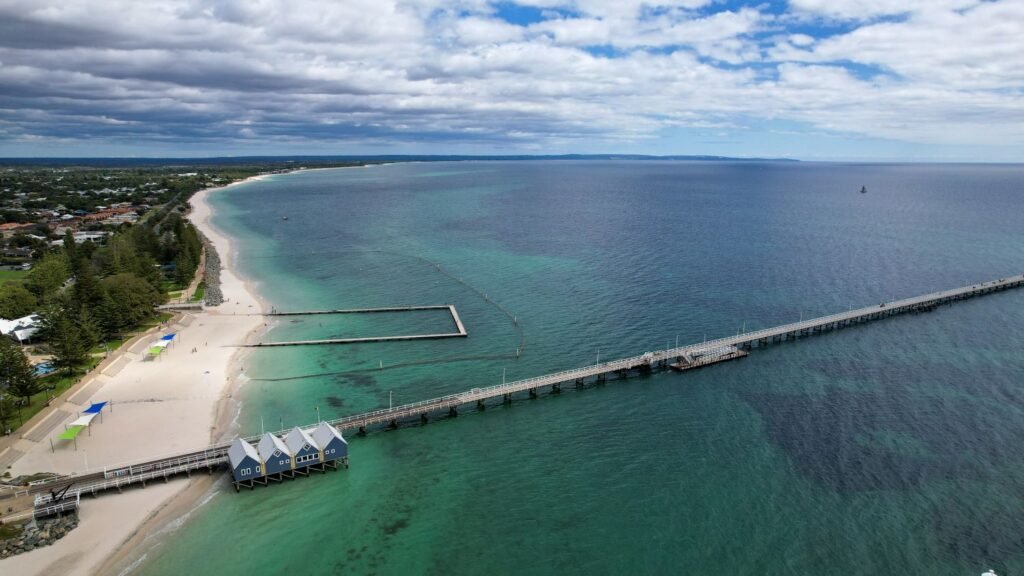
[
  {"x": 284, "y": 217},
  {"x": 863, "y": 189}
]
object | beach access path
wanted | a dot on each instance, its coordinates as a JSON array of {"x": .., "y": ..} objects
[{"x": 159, "y": 406}]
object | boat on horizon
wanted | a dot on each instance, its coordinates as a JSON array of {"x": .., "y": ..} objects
[{"x": 863, "y": 189}]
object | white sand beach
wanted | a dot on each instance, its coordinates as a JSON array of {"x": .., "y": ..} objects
[{"x": 179, "y": 402}]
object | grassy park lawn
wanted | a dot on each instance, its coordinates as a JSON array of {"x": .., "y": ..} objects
[
  {"x": 114, "y": 344},
  {"x": 200, "y": 292},
  {"x": 58, "y": 382},
  {"x": 12, "y": 276}
]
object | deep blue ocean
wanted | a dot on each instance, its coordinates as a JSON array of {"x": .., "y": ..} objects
[{"x": 888, "y": 448}]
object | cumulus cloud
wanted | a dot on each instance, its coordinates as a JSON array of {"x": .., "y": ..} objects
[
  {"x": 869, "y": 9},
  {"x": 564, "y": 73}
]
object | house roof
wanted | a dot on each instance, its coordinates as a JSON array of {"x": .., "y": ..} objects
[
  {"x": 20, "y": 326},
  {"x": 15, "y": 225},
  {"x": 269, "y": 444},
  {"x": 324, "y": 433},
  {"x": 239, "y": 450},
  {"x": 297, "y": 438}
]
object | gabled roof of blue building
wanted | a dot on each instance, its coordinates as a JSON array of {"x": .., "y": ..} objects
[
  {"x": 297, "y": 439},
  {"x": 270, "y": 444},
  {"x": 239, "y": 450},
  {"x": 324, "y": 433}
]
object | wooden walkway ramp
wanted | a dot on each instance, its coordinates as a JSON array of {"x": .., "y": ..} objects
[{"x": 215, "y": 456}]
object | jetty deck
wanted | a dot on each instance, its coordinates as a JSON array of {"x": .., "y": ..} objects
[
  {"x": 212, "y": 457},
  {"x": 460, "y": 329},
  {"x": 359, "y": 310}
]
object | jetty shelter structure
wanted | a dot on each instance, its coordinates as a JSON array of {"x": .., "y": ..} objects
[
  {"x": 333, "y": 446},
  {"x": 245, "y": 463},
  {"x": 304, "y": 450},
  {"x": 276, "y": 458}
]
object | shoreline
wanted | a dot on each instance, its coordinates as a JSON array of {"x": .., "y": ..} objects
[
  {"x": 199, "y": 490},
  {"x": 172, "y": 514},
  {"x": 176, "y": 402}
]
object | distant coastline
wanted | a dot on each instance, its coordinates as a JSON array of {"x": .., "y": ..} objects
[{"x": 368, "y": 159}]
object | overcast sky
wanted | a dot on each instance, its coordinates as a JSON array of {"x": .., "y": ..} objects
[{"x": 812, "y": 79}]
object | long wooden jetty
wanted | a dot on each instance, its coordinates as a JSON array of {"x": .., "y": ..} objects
[
  {"x": 460, "y": 329},
  {"x": 712, "y": 351}
]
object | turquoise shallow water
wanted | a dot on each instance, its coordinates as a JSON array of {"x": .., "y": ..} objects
[{"x": 888, "y": 448}]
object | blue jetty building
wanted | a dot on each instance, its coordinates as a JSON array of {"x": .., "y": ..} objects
[
  {"x": 245, "y": 463},
  {"x": 333, "y": 448},
  {"x": 305, "y": 452},
  {"x": 276, "y": 458}
]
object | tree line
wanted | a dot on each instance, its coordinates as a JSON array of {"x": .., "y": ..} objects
[{"x": 89, "y": 293}]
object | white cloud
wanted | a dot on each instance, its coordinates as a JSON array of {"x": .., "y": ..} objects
[
  {"x": 406, "y": 70},
  {"x": 868, "y": 9}
]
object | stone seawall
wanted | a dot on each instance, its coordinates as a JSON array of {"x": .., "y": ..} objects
[
  {"x": 39, "y": 536},
  {"x": 213, "y": 295}
]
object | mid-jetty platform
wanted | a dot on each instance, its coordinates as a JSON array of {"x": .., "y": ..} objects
[{"x": 51, "y": 493}]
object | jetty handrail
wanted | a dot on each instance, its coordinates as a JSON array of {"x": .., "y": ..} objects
[
  {"x": 49, "y": 510},
  {"x": 118, "y": 481}
]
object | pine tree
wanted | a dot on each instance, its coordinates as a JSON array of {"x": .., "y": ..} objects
[
  {"x": 8, "y": 409},
  {"x": 15, "y": 371},
  {"x": 110, "y": 317},
  {"x": 185, "y": 268},
  {"x": 69, "y": 350},
  {"x": 87, "y": 292},
  {"x": 89, "y": 331},
  {"x": 71, "y": 250}
]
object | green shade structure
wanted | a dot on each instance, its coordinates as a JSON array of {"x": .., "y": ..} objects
[{"x": 71, "y": 433}]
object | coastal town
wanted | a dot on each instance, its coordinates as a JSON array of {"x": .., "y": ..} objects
[{"x": 104, "y": 278}]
